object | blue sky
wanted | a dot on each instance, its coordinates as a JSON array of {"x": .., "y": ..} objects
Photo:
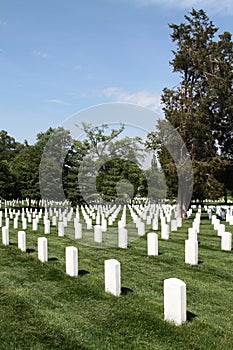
[{"x": 58, "y": 57}]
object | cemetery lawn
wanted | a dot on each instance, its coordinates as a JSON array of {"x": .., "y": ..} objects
[{"x": 43, "y": 308}]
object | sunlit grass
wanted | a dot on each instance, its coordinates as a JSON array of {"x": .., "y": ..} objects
[{"x": 43, "y": 308}]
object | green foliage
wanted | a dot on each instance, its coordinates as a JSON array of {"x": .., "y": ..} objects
[{"x": 200, "y": 106}]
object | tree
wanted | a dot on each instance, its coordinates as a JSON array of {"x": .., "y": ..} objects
[
  {"x": 108, "y": 160},
  {"x": 25, "y": 168},
  {"x": 196, "y": 107},
  {"x": 9, "y": 149},
  {"x": 54, "y": 145}
]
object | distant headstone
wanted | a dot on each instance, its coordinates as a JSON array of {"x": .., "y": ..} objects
[
  {"x": 34, "y": 224},
  {"x": 173, "y": 225},
  {"x": 141, "y": 228},
  {"x": 61, "y": 229}
]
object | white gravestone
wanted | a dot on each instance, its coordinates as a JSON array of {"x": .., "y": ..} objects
[
  {"x": 141, "y": 228},
  {"x": 173, "y": 225},
  {"x": 61, "y": 229},
  {"x": 24, "y": 223},
  {"x": 5, "y": 235},
  {"x": 155, "y": 224},
  {"x": 98, "y": 233},
  {"x": 192, "y": 234},
  {"x": 47, "y": 226},
  {"x": 191, "y": 252},
  {"x": 34, "y": 224},
  {"x": 122, "y": 237},
  {"x": 152, "y": 244},
  {"x": 15, "y": 222},
  {"x": 22, "y": 241},
  {"x": 221, "y": 229},
  {"x": 226, "y": 241},
  {"x": 42, "y": 249},
  {"x": 78, "y": 230},
  {"x": 175, "y": 301},
  {"x": 72, "y": 261},
  {"x": 112, "y": 273},
  {"x": 165, "y": 231}
]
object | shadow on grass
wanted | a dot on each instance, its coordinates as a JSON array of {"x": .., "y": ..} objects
[
  {"x": 125, "y": 291},
  {"x": 190, "y": 316},
  {"x": 83, "y": 272},
  {"x": 30, "y": 250},
  {"x": 53, "y": 258}
]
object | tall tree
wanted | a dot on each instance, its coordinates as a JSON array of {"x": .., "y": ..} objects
[
  {"x": 9, "y": 149},
  {"x": 196, "y": 107}
]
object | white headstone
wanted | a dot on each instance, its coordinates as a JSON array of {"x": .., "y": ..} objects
[
  {"x": 98, "y": 233},
  {"x": 152, "y": 244},
  {"x": 165, "y": 230},
  {"x": 179, "y": 222},
  {"x": 7, "y": 222},
  {"x": 141, "y": 228},
  {"x": 15, "y": 222},
  {"x": 24, "y": 223},
  {"x": 175, "y": 301},
  {"x": 61, "y": 229},
  {"x": 89, "y": 224},
  {"x": 34, "y": 224},
  {"x": 155, "y": 224},
  {"x": 221, "y": 229},
  {"x": 78, "y": 230},
  {"x": 226, "y": 241},
  {"x": 42, "y": 249},
  {"x": 72, "y": 261},
  {"x": 47, "y": 226},
  {"x": 22, "y": 241},
  {"x": 5, "y": 235},
  {"x": 191, "y": 252},
  {"x": 192, "y": 234},
  {"x": 216, "y": 224},
  {"x": 122, "y": 237},
  {"x": 173, "y": 225},
  {"x": 112, "y": 273},
  {"x": 54, "y": 220}
]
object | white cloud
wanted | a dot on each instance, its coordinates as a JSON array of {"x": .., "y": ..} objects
[
  {"x": 59, "y": 102},
  {"x": 150, "y": 100},
  {"x": 40, "y": 54},
  {"x": 224, "y": 6}
]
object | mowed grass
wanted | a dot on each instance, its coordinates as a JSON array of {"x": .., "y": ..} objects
[{"x": 43, "y": 308}]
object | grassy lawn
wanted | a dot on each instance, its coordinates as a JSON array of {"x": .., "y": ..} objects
[{"x": 43, "y": 308}]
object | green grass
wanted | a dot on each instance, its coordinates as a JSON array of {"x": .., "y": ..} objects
[{"x": 43, "y": 308}]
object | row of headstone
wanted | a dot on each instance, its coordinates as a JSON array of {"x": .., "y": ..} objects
[{"x": 175, "y": 308}]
